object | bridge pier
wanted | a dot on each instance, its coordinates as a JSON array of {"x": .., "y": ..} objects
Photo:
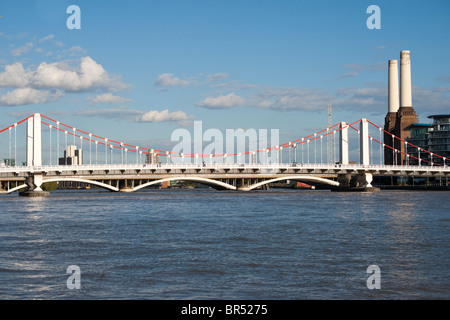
[
  {"x": 33, "y": 193},
  {"x": 124, "y": 186},
  {"x": 246, "y": 183},
  {"x": 361, "y": 182},
  {"x": 34, "y": 157},
  {"x": 34, "y": 184}
]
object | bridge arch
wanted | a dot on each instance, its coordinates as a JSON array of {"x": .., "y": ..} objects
[
  {"x": 206, "y": 181},
  {"x": 17, "y": 188},
  {"x": 100, "y": 184},
  {"x": 302, "y": 178}
]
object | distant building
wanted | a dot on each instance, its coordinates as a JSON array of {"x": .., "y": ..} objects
[
  {"x": 418, "y": 137},
  {"x": 434, "y": 137},
  {"x": 72, "y": 156},
  {"x": 439, "y": 137},
  {"x": 165, "y": 184},
  {"x": 9, "y": 162},
  {"x": 152, "y": 158}
]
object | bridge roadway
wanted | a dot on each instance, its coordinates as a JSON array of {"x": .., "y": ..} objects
[{"x": 132, "y": 177}]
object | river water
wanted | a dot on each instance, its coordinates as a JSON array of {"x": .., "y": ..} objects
[{"x": 205, "y": 244}]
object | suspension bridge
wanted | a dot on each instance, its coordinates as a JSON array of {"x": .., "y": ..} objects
[{"x": 122, "y": 167}]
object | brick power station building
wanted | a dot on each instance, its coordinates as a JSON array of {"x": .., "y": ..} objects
[
  {"x": 402, "y": 122},
  {"x": 401, "y": 114}
]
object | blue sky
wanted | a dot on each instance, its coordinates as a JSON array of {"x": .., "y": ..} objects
[{"x": 231, "y": 64}]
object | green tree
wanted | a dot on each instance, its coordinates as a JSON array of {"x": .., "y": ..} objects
[{"x": 49, "y": 186}]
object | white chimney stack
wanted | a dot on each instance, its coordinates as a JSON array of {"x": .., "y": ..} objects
[
  {"x": 405, "y": 79},
  {"x": 393, "y": 94}
]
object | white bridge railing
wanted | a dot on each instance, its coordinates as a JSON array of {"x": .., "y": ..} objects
[{"x": 221, "y": 166}]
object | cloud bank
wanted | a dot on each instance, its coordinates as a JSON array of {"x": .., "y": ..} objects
[{"x": 56, "y": 77}]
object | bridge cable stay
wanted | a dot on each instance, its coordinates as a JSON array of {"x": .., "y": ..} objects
[
  {"x": 9, "y": 129},
  {"x": 406, "y": 143},
  {"x": 293, "y": 145},
  {"x": 112, "y": 144},
  {"x": 394, "y": 150}
]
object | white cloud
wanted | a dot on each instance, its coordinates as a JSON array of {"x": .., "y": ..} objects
[
  {"x": 122, "y": 113},
  {"x": 233, "y": 85},
  {"x": 77, "y": 50},
  {"x": 431, "y": 100},
  {"x": 217, "y": 77},
  {"x": 364, "y": 67},
  {"x": 49, "y": 37},
  {"x": 371, "y": 98},
  {"x": 107, "y": 98},
  {"x": 445, "y": 79},
  {"x": 355, "y": 66},
  {"x": 179, "y": 117},
  {"x": 292, "y": 98},
  {"x": 349, "y": 74},
  {"x": 286, "y": 98},
  {"x": 375, "y": 99},
  {"x": 111, "y": 113},
  {"x": 14, "y": 76},
  {"x": 21, "y": 50},
  {"x": 168, "y": 79},
  {"x": 277, "y": 98},
  {"x": 23, "y": 96},
  {"x": 221, "y": 102},
  {"x": 361, "y": 98},
  {"x": 379, "y": 66},
  {"x": 88, "y": 76}
]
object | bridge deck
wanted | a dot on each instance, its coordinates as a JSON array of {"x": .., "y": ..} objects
[{"x": 215, "y": 171}]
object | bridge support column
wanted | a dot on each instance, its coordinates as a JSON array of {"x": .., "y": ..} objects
[
  {"x": 243, "y": 185},
  {"x": 34, "y": 157},
  {"x": 344, "y": 180},
  {"x": 34, "y": 187},
  {"x": 343, "y": 143},
  {"x": 361, "y": 182},
  {"x": 364, "y": 142},
  {"x": 125, "y": 187},
  {"x": 34, "y": 150},
  {"x": 364, "y": 180}
]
